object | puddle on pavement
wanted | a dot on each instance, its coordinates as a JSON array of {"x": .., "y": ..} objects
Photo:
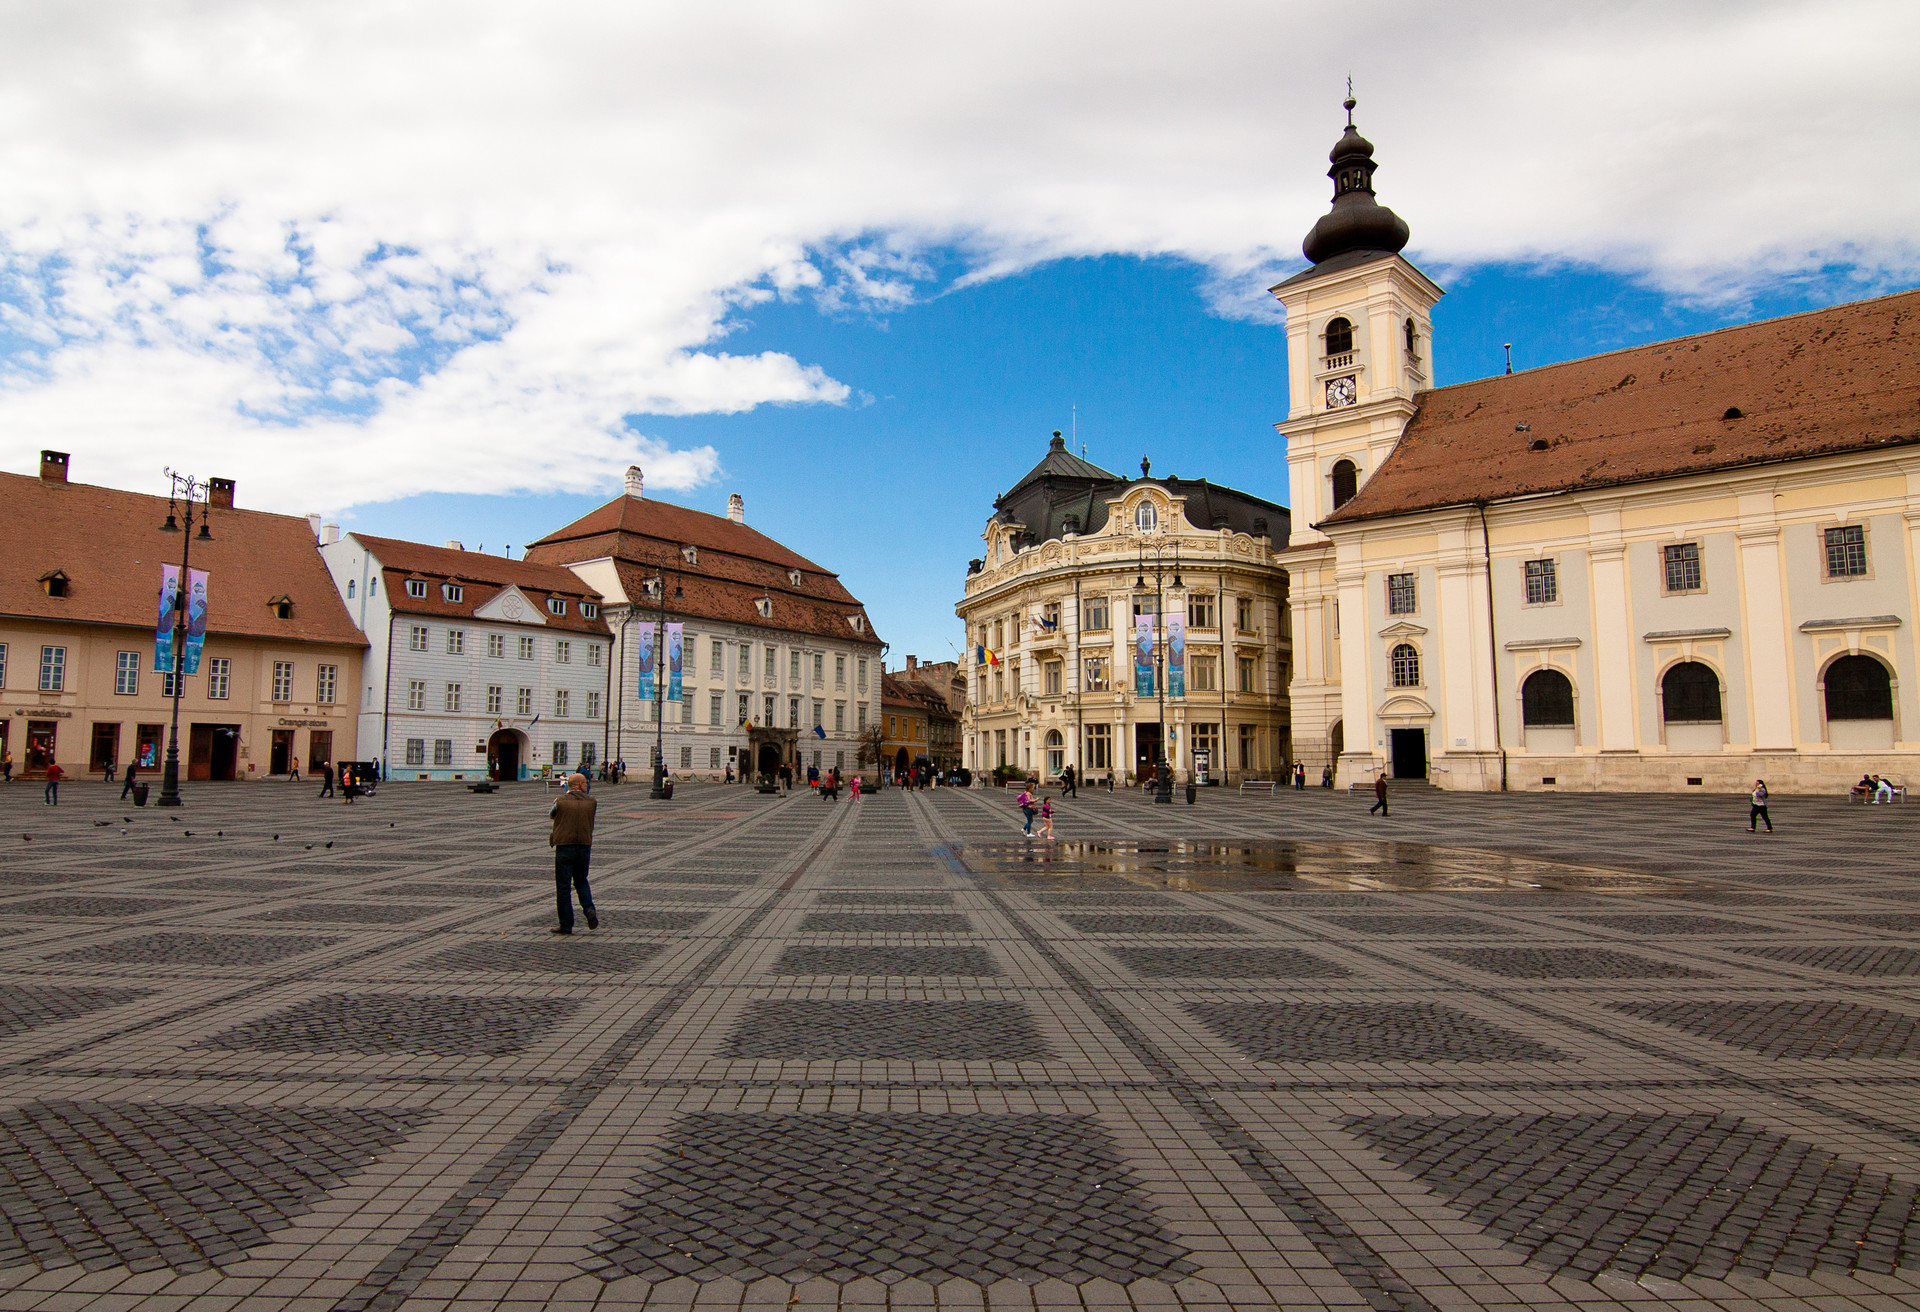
[{"x": 1280, "y": 866}]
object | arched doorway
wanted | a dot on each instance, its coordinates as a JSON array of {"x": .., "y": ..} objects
[
  {"x": 1337, "y": 741},
  {"x": 504, "y": 755},
  {"x": 900, "y": 764},
  {"x": 768, "y": 762}
]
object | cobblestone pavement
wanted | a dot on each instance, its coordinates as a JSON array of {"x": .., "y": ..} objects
[{"x": 1562, "y": 1052}]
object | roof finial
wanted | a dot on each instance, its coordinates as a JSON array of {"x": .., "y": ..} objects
[{"x": 1349, "y": 102}]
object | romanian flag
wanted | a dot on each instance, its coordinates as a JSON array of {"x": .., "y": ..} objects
[
  {"x": 984, "y": 656},
  {"x": 746, "y": 724}
]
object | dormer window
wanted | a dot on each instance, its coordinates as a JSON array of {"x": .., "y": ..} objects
[
  {"x": 691, "y": 555},
  {"x": 1339, "y": 337},
  {"x": 417, "y": 588},
  {"x": 452, "y": 591},
  {"x": 859, "y": 623},
  {"x": 282, "y": 607},
  {"x": 793, "y": 577},
  {"x": 588, "y": 610},
  {"x": 55, "y": 583},
  {"x": 555, "y": 606},
  {"x": 1145, "y": 518},
  {"x": 764, "y": 605}
]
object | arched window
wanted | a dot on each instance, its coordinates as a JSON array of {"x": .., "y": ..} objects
[
  {"x": 1858, "y": 689},
  {"x": 1145, "y": 517},
  {"x": 1346, "y": 481},
  {"x": 1406, "y": 666},
  {"x": 1546, "y": 700},
  {"x": 1690, "y": 694},
  {"x": 1339, "y": 337},
  {"x": 1413, "y": 341},
  {"x": 1056, "y": 752}
]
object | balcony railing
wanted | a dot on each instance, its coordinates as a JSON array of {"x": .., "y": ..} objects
[{"x": 1340, "y": 361}]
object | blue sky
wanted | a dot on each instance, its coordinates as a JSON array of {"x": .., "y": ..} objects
[{"x": 954, "y": 399}]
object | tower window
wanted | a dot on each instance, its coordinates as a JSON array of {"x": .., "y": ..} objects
[
  {"x": 1413, "y": 341},
  {"x": 1346, "y": 481},
  {"x": 1339, "y": 337}
]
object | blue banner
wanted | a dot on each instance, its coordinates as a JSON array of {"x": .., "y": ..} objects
[
  {"x": 676, "y": 642},
  {"x": 1143, "y": 656},
  {"x": 645, "y": 663},
  {"x": 196, "y": 618},
  {"x": 1177, "y": 655},
  {"x": 169, "y": 613}
]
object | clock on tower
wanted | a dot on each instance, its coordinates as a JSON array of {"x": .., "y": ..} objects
[{"x": 1340, "y": 392}]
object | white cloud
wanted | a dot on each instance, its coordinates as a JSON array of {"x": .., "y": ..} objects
[{"x": 351, "y": 251}]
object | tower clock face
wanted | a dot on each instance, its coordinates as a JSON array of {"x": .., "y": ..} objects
[{"x": 1340, "y": 391}]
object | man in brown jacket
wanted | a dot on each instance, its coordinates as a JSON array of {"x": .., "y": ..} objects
[{"x": 572, "y": 843}]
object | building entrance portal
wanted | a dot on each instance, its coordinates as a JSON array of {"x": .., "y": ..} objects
[
  {"x": 1146, "y": 750},
  {"x": 503, "y": 756},
  {"x": 1409, "y": 753},
  {"x": 768, "y": 762}
]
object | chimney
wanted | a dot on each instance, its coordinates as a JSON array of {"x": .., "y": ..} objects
[
  {"x": 913, "y": 663},
  {"x": 220, "y": 493},
  {"x": 313, "y": 522},
  {"x": 53, "y": 466},
  {"x": 635, "y": 483},
  {"x": 736, "y": 508},
  {"x": 329, "y": 534},
  {"x": 454, "y": 546}
]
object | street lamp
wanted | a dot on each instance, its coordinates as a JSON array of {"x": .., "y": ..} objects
[
  {"x": 659, "y": 792},
  {"x": 189, "y": 491},
  {"x": 1160, "y": 554}
]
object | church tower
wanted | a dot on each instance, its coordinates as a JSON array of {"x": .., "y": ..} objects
[{"x": 1359, "y": 352}]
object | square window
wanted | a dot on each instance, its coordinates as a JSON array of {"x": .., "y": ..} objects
[
  {"x": 1543, "y": 582},
  {"x": 593, "y": 706},
  {"x": 1846, "y": 551},
  {"x": 793, "y": 712},
  {"x": 166, "y": 684},
  {"x": 556, "y": 606},
  {"x": 746, "y": 661},
  {"x": 563, "y": 703},
  {"x": 283, "y": 681},
  {"x": 443, "y": 751},
  {"x": 452, "y": 701},
  {"x": 456, "y": 642},
  {"x": 593, "y": 653},
  {"x": 453, "y": 592},
  {"x": 496, "y": 645},
  {"x": 526, "y": 649},
  {"x": 1680, "y": 566},
  {"x": 326, "y": 682},
  {"x": 416, "y": 751},
  {"x": 745, "y": 709},
  {"x": 717, "y": 666},
  {"x": 819, "y": 668},
  {"x": 1200, "y": 611},
  {"x": 1243, "y": 614},
  {"x": 416, "y": 588},
  {"x": 840, "y": 671},
  {"x": 686, "y": 758},
  {"x": 417, "y": 637},
  {"x": 589, "y": 610},
  {"x": 416, "y": 694},
  {"x": 496, "y": 700},
  {"x": 1093, "y": 613},
  {"x": 793, "y": 666},
  {"x": 563, "y": 652},
  {"x": 588, "y": 755},
  {"x": 1248, "y": 673},
  {"x": 1050, "y": 676},
  {"x": 714, "y": 711},
  {"x": 219, "y": 672},
  {"x": 523, "y": 702},
  {"x": 819, "y": 711},
  {"x": 839, "y": 717},
  {"x": 1099, "y": 670},
  {"x": 713, "y": 758},
  {"x": 126, "y": 674},
  {"x": 559, "y": 753},
  {"x": 1403, "y": 594}
]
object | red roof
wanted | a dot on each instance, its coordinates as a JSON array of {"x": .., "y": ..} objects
[
  {"x": 481, "y": 578},
  {"x": 1813, "y": 384},
  {"x": 734, "y": 568},
  {"x": 110, "y": 546}
]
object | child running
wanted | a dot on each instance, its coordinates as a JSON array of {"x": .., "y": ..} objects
[{"x": 1046, "y": 819}]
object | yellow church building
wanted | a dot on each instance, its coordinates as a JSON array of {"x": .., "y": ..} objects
[{"x": 1685, "y": 565}]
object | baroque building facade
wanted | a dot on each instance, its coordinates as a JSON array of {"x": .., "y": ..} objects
[
  {"x": 1684, "y": 565},
  {"x": 1062, "y": 671},
  {"x": 780, "y": 664}
]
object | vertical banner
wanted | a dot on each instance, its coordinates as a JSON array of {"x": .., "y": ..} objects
[
  {"x": 196, "y": 618},
  {"x": 676, "y": 643},
  {"x": 1143, "y": 656},
  {"x": 645, "y": 638},
  {"x": 1177, "y": 654},
  {"x": 163, "y": 627}
]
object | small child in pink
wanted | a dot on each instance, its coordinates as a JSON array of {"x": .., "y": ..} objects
[
  {"x": 856, "y": 788},
  {"x": 1046, "y": 819}
]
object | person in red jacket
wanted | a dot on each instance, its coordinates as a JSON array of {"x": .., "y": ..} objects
[{"x": 54, "y": 775}]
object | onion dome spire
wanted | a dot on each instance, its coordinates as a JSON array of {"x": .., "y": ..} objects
[{"x": 1357, "y": 222}]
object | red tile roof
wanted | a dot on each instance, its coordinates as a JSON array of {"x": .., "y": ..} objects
[
  {"x": 1814, "y": 384},
  {"x": 481, "y": 577},
  {"x": 109, "y": 545},
  {"x": 734, "y": 568}
]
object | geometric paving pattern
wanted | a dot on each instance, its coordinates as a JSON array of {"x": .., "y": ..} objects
[
  {"x": 1790, "y": 1027},
  {"x": 1899, "y": 922},
  {"x": 1105, "y": 900},
  {"x": 885, "y": 899},
  {"x": 1660, "y": 1195},
  {"x": 788, "y": 1029},
  {"x": 146, "y": 1185},
  {"x": 349, "y": 913},
  {"x": 227, "y": 883},
  {"x": 1149, "y": 924},
  {"x": 894, "y": 1195},
  {"x": 817, "y": 959},
  {"x": 26, "y": 1007},
  {"x": 1679, "y": 925},
  {"x": 881, "y": 922},
  {"x": 1564, "y": 963},
  {"x": 647, "y": 920},
  {"x": 393, "y": 1022},
  {"x": 1364, "y": 1031},
  {"x": 1228, "y": 963},
  {"x": 575, "y": 958},
  {"x": 1404, "y": 924},
  {"x": 188, "y": 949},
  {"x": 1883, "y": 962},
  {"x": 93, "y": 906}
]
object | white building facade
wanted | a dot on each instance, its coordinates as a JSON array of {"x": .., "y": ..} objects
[{"x": 478, "y": 666}]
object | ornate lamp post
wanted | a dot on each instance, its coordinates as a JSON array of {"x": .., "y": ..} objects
[
  {"x": 190, "y": 492},
  {"x": 659, "y": 792},
  {"x": 1165, "y": 560}
]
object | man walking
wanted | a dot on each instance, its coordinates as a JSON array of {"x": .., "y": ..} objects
[
  {"x": 1379, "y": 795},
  {"x": 54, "y": 775},
  {"x": 572, "y": 843},
  {"x": 326, "y": 778},
  {"x": 127, "y": 787},
  {"x": 1758, "y": 811},
  {"x": 1070, "y": 783}
]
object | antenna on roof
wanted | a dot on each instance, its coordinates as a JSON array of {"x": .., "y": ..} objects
[{"x": 1509, "y": 357}]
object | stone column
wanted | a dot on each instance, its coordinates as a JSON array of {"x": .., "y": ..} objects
[
  {"x": 1613, "y": 648},
  {"x": 1356, "y": 687},
  {"x": 1768, "y": 648}
]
